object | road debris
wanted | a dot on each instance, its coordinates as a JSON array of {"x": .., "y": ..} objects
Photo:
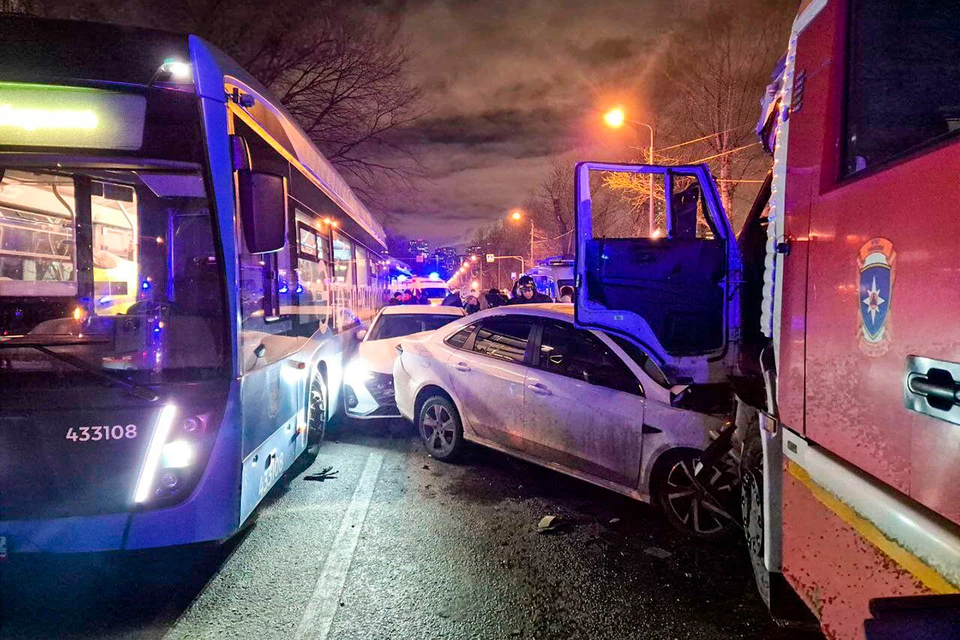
[
  {"x": 614, "y": 520},
  {"x": 657, "y": 552},
  {"x": 326, "y": 473},
  {"x": 551, "y": 523}
]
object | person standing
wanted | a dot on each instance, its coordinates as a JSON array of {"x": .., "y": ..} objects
[{"x": 526, "y": 292}]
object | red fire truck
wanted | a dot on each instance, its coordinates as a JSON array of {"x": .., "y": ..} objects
[{"x": 832, "y": 318}]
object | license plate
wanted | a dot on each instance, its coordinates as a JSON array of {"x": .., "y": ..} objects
[{"x": 3, "y": 548}]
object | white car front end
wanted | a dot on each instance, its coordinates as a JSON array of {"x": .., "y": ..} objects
[{"x": 368, "y": 379}]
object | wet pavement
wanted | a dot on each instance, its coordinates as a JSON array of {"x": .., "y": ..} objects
[{"x": 399, "y": 545}]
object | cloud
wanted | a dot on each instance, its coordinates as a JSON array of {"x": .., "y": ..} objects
[{"x": 510, "y": 86}]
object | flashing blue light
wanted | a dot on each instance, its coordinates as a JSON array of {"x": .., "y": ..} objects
[
  {"x": 145, "y": 285},
  {"x": 299, "y": 288},
  {"x": 284, "y": 289},
  {"x": 156, "y": 331},
  {"x": 401, "y": 278},
  {"x": 434, "y": 276},
  {"x": 105, "y": 300}
]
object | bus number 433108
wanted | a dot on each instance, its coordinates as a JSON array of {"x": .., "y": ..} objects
[{"x": 93, "y": 434}]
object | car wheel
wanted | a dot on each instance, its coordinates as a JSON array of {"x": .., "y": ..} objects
[
  {"x": 440, "y": 429},
  {"x": 316, "y": 410},
  {"x": 692, "y": 506}
]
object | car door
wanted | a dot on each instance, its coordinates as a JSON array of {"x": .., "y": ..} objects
[
  {"x": 488, "y": 373},
  {"x": 671, "y": 286},
  {"x": 583, "y": 407}
]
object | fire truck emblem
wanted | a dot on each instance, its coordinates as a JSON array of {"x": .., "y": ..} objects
[{"x": 876, "y": 261}]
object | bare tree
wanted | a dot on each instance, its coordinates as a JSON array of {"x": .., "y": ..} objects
[
  {"x": 718, "y": 65},
  {"x": 340, "y": 70}
]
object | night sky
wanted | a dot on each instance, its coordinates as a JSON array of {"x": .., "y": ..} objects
[{"x": 512, "y": 85}]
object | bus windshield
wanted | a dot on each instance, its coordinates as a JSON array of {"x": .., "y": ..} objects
[{"x": 117, "y": 268}]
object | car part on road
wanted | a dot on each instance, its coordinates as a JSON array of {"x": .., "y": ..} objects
[
  {"x": 696, "y": 507},
  {"x": 549, "y": 524},
  {"x": 440, "y": 428},
  {"x": 326, "y": 473}
]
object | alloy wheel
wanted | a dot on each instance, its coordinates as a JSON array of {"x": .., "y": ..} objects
[
  {"x": 438, "y": 430},
  {"x": 688, "y": 500}
]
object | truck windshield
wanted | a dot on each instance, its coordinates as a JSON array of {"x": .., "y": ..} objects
[{"x": 115, "y": 268}]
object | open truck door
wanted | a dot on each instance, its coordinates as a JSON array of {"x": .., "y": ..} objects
[{"x": 671, "y": 286}]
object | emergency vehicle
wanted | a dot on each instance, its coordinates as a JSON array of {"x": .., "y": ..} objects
[{"x": 831, "y": 319}]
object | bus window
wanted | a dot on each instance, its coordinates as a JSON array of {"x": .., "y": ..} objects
[
  {"x": 363, "y": 268},
  {"x": 313, "y": 277},
  {"x": 342, "y": 259},
  {"x": 37, "y": 235},
  {"x": 135, "y": 288}
]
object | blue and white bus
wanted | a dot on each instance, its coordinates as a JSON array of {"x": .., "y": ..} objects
[{"x": 180, "y": 271}]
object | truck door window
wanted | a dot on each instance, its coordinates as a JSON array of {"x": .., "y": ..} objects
[
  {"x": 903, "y": 88},
  {"x": 621, "y": 204}
]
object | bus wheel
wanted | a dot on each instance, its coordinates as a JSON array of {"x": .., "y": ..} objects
[{"x": 316, "y": 409}]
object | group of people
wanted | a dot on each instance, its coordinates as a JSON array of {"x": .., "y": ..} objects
[
  {"x": 524, "y": 292},
  {"x": 408, "y": 297}
]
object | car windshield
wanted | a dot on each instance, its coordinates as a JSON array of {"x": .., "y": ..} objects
[
  {"x": 397, "y": 326},
  {"x": 642, "y": 359},
  {"x": 116, "y": 268}
]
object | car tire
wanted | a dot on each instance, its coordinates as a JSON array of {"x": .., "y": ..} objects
[
  {"x": 683, "y": 502},
  {"x": 317, "y": 411},
  {"x": 440, "y": 428}
]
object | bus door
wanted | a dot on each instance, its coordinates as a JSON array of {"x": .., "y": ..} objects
[{"x": 664, "y": 275}]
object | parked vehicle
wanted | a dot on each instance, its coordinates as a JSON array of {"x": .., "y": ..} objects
[
  {"x": 838, "y": 327},
  {"x": 525, "y": 381},
  {"x": 434, "y": 288},
  {"x": 551, "y": 274},
  {"x": 368, "y": 377}
]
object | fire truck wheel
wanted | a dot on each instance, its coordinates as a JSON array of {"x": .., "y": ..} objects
[{"x": 696, "y": 508}]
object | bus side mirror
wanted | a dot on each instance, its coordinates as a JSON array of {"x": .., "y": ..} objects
[{"x": 263, "y": 210}]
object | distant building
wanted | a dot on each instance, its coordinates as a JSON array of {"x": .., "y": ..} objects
[
  {"x": 475, "y": 250},
  {"x": 419, "y": 250}
]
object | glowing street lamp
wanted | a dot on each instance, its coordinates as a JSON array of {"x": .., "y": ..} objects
[{"x": 614, "y": 118}]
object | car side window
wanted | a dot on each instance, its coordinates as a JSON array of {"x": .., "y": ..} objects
[
  {"x": 504, "y": 337},
  {"x": 580, "y": 355},
  {"x": 460, "y": 338}
]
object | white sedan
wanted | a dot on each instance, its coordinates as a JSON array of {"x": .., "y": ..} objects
[
  {"x": 524, "y": 380},
  {"x": 368, "y": 377}
]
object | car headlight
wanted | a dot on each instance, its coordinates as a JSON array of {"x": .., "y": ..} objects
[{"x": 356, "y": 374}]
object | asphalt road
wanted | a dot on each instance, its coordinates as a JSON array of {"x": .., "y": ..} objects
[{"x": 402, "y": 546}]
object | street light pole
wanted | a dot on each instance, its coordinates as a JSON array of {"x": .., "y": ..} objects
[
  {"x": 615, "y": 119},
  {"x": 650, "y": 161}
]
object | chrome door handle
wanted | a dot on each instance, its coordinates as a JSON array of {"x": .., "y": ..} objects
[
  {"x": 538, "y": 388},
  {"x": 461, "y": 366},
  {"x": 932, "y": 387}
]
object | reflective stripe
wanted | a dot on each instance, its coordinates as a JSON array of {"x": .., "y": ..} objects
[{"x": 925, "y": 545}]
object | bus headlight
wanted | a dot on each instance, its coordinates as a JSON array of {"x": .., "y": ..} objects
[{"x": 176, "y": 455}]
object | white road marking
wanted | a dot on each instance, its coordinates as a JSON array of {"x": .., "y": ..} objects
[{"x": 325, "y": 601}]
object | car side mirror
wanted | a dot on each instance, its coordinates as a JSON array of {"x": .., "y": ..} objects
[
  {"x": 361, "y": 335},
  {"x": 263, "y": 210}
]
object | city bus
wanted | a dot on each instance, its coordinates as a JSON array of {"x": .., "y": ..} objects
[{"x": 180, "y": 272}]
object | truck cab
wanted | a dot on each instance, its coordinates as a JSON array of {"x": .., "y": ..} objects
[{"x": 672, "y": 287}]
